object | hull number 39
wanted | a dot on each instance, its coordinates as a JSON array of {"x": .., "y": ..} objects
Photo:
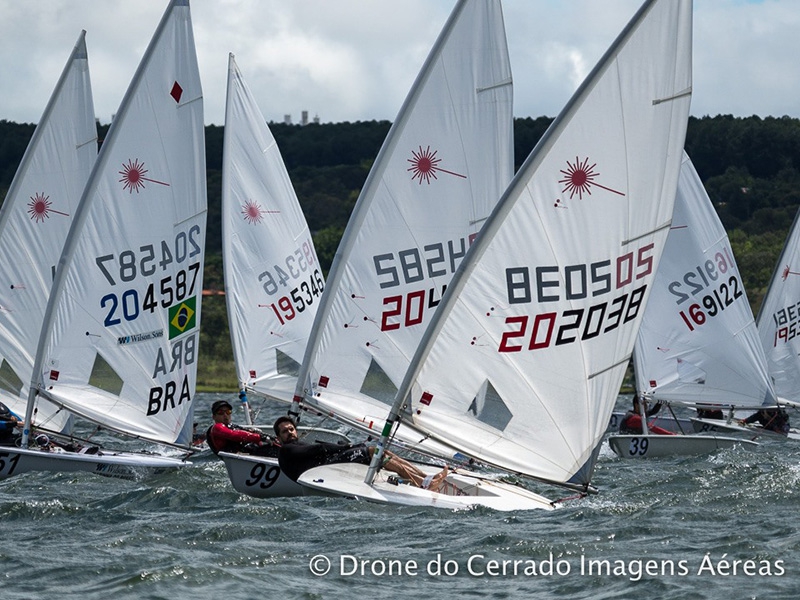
[{"x": 638, "y": 446}]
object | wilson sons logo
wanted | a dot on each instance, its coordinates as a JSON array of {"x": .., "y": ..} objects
[
  {"x": 140, "y": 337},
  {"x": 182, "y": 317}
]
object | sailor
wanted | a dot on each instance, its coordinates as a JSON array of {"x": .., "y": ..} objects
[
  {"x": 8, "y": 426},
  {"x": 224, "y": 436},
  {"x": 296, "y": 457},
  {"x": 632, "y": 422},
  {"x": 771, "y": 419}
]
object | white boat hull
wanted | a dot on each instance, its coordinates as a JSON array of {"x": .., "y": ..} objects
[
  {"x": 704, "y": 425},
  {"x": 259, "y": 476},
  {"x": 656, "y": 446},
  {"x": 122, "y": 465},
  {"x": 347, "y": 479}
]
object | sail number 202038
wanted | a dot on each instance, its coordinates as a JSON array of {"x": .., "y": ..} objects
[{"x": 574, "y": 283}]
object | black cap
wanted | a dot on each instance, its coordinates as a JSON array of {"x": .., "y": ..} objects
[{"x": 219, "y": 404}]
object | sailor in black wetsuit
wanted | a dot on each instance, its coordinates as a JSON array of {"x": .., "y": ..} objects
[{"x": 296, "y": 457}]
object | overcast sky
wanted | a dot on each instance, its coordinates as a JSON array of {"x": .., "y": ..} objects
[{"x": 355, "y": 60}]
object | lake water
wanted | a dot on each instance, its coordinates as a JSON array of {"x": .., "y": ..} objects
[{"x": 722, "y": 526}]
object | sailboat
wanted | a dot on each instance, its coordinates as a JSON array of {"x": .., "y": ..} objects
[
  {"x": 698, "y": 344},
  {"x": 34, "y": 221},
  {"x": 778, "y": 327},
  {"x": 272, "y": 273},
  {"x": 118, "y": 345},
  {"x": 444, "y": 163},
  {"x": 522, "y": 362},
  {"x": 272, "y": 276},
  {"x": 778, "y": 318}
]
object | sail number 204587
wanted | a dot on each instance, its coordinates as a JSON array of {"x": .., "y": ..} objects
[{"x": 129, "y": 267}]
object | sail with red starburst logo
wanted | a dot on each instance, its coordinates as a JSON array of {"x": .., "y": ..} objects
[
  {"x": 779, "y": 319},
  {"x": 272, "y": 275},
  {"x": 35, "y": 218},
  {"x": 523, "y": 361},
  {"x": 119, "y": 344},
  {"x": 698, "y": 343},
  {"x": 445, "y": 162}
]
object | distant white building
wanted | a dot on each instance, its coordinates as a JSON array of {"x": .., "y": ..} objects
[{"x": 287, "y": 119}]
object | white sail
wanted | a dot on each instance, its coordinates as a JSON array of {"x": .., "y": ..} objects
[
  {"x": 119, "y": 344},
  {"x": 698, "y": 342},
  {"x": 34, "y": 221},
  {"x": 778, "y": 319},
  {"x": 442, "y": 167},
  {"x": 273, "y": 279},
  {"x": 523, "y": 362}
]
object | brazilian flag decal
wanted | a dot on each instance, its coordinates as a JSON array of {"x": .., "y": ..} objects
[{"x": 181, "y": 317}]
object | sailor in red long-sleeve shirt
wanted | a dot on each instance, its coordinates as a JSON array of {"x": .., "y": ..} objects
[
  {"x": 223, "y": 436},
  {"x": 632, "y": 422}
]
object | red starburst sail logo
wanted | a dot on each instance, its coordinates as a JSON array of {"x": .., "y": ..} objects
[
  {"x": 40, "y": 207},
  {"x": 788, "y": 271},
  {"x": 133, "y": 172},
  {"x": 133, "y": 176},
  {"x": 425, "y": 166},
  {"x": 579, "y": 178},
  {"x": 253, "y": 213}
]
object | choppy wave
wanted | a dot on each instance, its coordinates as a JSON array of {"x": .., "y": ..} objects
[{"x": 678, "y": 525}]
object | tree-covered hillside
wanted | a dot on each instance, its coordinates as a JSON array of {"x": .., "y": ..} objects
[{"x": 750, "y": 167}]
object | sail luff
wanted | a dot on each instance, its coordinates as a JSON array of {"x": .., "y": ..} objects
[
  {"x": 226, "y": 167},
  {"x": 776, "y": 272},
  {"x": 778, "y": 316},
  {"x": 78, "y": 53}
]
